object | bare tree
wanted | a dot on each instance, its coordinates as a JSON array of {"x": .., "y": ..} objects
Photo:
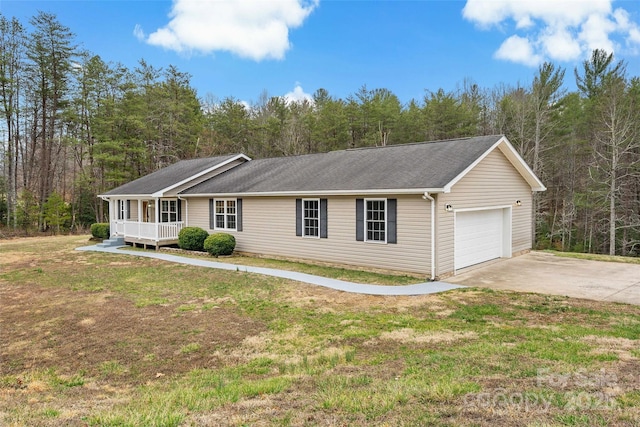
[{"x": 12, "y": 50}]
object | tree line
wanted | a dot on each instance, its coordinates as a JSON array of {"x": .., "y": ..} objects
[{"x": 74, "y": 126}]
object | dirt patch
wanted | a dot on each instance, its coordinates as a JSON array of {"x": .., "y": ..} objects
[{"x": 90, "y": 332}]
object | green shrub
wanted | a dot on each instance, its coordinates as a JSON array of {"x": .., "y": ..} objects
[
  {"x": 100, "y": 230},
  {"x": 220, "y": 244},
  {"x": 192, "y": 238}
]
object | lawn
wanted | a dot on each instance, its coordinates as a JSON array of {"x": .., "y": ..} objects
[{"x": 114, "y": 340}]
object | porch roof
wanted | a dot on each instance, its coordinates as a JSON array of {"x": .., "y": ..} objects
[{"x": 167, "y": 178}]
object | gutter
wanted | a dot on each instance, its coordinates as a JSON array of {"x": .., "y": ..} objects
[
  {"x": 427, "y": 196},
  {"x": 382, "y": 191}
]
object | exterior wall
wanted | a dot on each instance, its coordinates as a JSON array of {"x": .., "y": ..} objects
[
  {"x": 493, "y": 182},
  {"x": 269, "y": 228},
  {"x": 133, "y": 214}
]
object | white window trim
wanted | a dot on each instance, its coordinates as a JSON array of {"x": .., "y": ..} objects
[
  {"x": 122, "y": 209},
  {"x": 225, "y": 214},
  {"x": 304, "y": 228},
  {"x": 386, "y": 216},
  {"x": 169, "y": 211}
]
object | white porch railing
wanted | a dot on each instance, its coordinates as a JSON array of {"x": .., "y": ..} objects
[{"x": 146, "y": 230}]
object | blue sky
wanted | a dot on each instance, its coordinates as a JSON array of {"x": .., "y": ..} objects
[{"x": 241, "y": 48}]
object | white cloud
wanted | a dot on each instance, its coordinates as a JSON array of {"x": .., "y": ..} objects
[
  {"x": 138, "y": 32},
  {"x": 595, "y": 33},
  {"x": 297, "y": 95},
  {"x": 560, "y": 45},
  {"x": 551, "y": 29},
  {"x": 254, "y": 29},
  {"x": 518, "y": 49}
]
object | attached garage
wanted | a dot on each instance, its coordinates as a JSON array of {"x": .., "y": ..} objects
[
  {"x": 481, "y": 235},
  {"x": 429, "y": 208}
]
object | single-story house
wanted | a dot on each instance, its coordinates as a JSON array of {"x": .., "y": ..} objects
[{"x": 430, "y": 208}]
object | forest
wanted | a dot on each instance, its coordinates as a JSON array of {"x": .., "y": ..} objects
[{"x": 73, "y": 126}]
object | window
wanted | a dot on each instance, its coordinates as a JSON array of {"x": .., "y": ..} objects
[
  {"x": 122, "y": 214},
  {"x": 225, "y": 214},
  {"x": 376, "y": 222},
  {"x": 168, "y": 210},
  {"x": 123, "y": 209},
  {"x": 311, "y": 218}
]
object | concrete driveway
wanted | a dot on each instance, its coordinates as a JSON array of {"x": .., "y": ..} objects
[{"x": 549, "y": 274}]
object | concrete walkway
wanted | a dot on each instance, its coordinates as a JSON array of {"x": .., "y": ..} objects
[{"x": 340, "y": 285}]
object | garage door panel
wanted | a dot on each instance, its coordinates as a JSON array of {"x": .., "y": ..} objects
[{"x": 478, "y": 237}]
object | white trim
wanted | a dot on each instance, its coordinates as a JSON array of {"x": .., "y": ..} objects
[
  {"x": 432, "y": 202},
  {"x": 310, "y": 194},
  {"x": 386, "y": 217},
  {"x": 160, "y": 193},
  {"x": 168, "y": 212},
  {"x": 514, "y": 158},
  {"x": 304, "y": 228},
  {"x": 185, "y": 214},
  {"x": 518, "y": 162},
  {"x": 507, "y": 229},
  {"x": 129, "y": 196},
  {"x": 225, "y": 214},
  {"x": 483, "y": 208}
]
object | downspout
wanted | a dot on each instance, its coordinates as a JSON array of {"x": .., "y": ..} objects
[
  {"x": 432, "y": 201},
  {"x": 185, "y": 215}
]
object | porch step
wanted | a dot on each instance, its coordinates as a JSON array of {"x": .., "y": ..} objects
[{"x": 112, "y": 242}]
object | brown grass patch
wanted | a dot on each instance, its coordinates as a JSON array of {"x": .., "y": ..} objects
[
  {"x": 408, "y": 335},
  {"x": 620, "y": 346}
]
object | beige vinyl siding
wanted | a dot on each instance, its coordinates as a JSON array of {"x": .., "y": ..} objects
[
  {"x": 269, "y": 228},
  {"x": 133, "y": 214},
  {"x": 494, "y": 182}
]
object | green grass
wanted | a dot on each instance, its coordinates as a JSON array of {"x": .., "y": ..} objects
[
  {"x": 596, "y": 257},
  {"x": 334, "y": 272},
  {"x": 234, "y": 348}
]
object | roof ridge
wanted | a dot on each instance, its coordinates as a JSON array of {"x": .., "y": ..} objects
[{"x": 422, "y": 142}]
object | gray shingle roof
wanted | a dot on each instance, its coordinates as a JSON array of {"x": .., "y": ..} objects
[
  {"x": 168, "y": 176},
  {"x": 427, "y": 165}
]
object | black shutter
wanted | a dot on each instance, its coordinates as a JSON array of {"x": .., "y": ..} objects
[
  {"x": 298, "y": 217},
  {"x": 392, "y": 227},
  {"x": 179, "y": 210},
  {"x": 128, "y": 209},
  {"x": 239, "y": 215},
  {"x": 360, "y": 220},
  {"x": 212, "y": 215},
  {"x": 323, "y": 218}
]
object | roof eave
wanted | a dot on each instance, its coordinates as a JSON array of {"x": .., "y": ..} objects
[
  {"x": 381, "y": 191},
  {"x": 512, "y": 155},
  {"x": 162, "y": 192}
]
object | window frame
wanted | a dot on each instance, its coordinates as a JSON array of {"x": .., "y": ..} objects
[
  {"x": 368, "y": 221},
  {"x": 169, "y": 211},
  {"x": 122, "y": 211},
  {"x": 225, "y": 214},
  {"x": 305, "y": 218}
]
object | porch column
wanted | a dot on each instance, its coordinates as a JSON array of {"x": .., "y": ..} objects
[
  {"x": 112, "y": 228},
  {"x": 157, "y": 217},
  {"x": 139, "y": 210}
]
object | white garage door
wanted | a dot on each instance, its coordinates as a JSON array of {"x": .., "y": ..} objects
[{"x": 478, "y": 237}]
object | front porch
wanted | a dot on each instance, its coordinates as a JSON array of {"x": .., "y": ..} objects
[
  {"x": 145, "y": 220},
  {"x": 147, "y": 233}
]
